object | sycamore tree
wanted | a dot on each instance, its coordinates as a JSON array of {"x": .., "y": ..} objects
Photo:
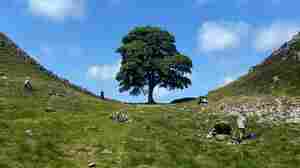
[{"x": 150, "y": 59}]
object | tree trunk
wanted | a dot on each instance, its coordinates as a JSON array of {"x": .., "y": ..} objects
[{"x": 150, "y": 94}]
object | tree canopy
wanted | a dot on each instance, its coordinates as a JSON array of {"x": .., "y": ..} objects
[{"x": 150, "y": 59}]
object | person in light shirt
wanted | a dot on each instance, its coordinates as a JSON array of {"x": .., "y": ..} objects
[{"x": 241, "y": 123}]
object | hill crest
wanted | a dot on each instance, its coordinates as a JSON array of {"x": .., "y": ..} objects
[
  {"x": 277, "y": 75},
  {"x": 23, "y": 57}
]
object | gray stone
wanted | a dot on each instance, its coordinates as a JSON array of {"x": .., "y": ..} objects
[
  {"x": 294, "y": 120},
  {"x": 106, "y": 151},
  {"x": 29, "y": 132},
  {"x": 50, "y": 109},
  {"x": 92, "y": 165},
  {"x": 120, "y": 117},
  {"x": 284, "y": 58},
  {"x": 275, "y": 79}
]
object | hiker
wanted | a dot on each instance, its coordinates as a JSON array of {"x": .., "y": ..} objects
[
  {"x": 102, "y": 95},
  {"x": 241, "y": 123},
  {"x": 27, "y": 84}
]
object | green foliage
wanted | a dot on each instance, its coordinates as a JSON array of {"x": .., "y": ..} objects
[
  {"x": 296, "y": 45},
  {"x": 223, "y": 128},
  {"x": 150, "y": 58}
]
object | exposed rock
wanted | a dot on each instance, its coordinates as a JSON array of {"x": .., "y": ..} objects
[
  {"x": 284, "y": 58},
  {"x": 50, "y": 109},
  {"x": 294, "y": 120},
  {"x": 106, "y": 151},
  {"x": 120, "y": 116},
  {"x": 29, "y": 132},
  {"x": 92, "y": 165},
  {"x": 267, "y": 109},
  {"x": 275, "y": 79},
  {"x": 4, "y": 77}
]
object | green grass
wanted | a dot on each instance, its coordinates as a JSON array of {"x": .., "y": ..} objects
[
  {"x": 261, "y": 83},
  {"x": 160, "y": 136},
  {"x": 157, "y": 137}
]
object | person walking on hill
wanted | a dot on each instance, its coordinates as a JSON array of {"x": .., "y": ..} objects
[{"x": 241, "y": 123}]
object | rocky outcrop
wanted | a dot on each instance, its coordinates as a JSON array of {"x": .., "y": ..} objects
[{"x": 267, "y": 109}]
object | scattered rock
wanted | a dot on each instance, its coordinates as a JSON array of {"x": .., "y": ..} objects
[
  {"x": 29, "y": 132},
  {"x": 50, "y": 109},
  {"x": 92, "y": 165},
  {"x": 294, "y": 120},
  {"x": 284, "y": 58},
  {"x": 268, "y": 110},
  {"x": 275, "y": 79},
  {"x": 106, "y": 151},
  {"x": 120, "y": 117}
]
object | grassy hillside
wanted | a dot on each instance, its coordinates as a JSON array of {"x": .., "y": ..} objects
[
  {"x": 80, "y": 130},
  {"x": 278, "y": 75}
]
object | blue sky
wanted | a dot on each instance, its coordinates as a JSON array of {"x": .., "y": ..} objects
[{"x": 77, "y": 39}]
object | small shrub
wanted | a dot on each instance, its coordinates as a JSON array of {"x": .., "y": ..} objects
[{"x": 223, "y": 128}]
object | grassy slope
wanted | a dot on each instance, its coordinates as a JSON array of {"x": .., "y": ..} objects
[
  {"x": 162, "y": 136},
  {"x": 260, "y": 82}
]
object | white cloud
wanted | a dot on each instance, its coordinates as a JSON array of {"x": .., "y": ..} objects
[
  {"x": 57, "y": 9},
  {"x": 274, "y": 35},
  {"x": 217, "y": 36},
  {"x": 160, "y": 92},
  {"x": 104, "y": 72}
]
